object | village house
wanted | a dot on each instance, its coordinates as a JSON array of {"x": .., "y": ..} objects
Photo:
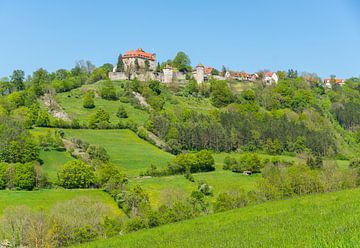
[
  {"x": 329, "y": 82},
  {"x": 241, "y": 76},
  {"x": 271, "y": 78}
]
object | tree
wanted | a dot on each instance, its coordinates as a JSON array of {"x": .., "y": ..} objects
[
  {"x": 121, "y": 113},
  {"x": 223, "y": 70},
  {"x": 134, "y": 202},
  {"x": 108, "y": 91},
  {"x": 88, "y": 100},
  {"x": 100, "y": 119},
  {"x": 181, "y": 62},
  {"x": 221, "y": 94},
  {"x": 147, "y": 64},
  {"x": 16, "y": 143},
  {"x": 17, "y": 79},
  {"x": 292, "y": 73},
  {"x": 76, "y": 174},
  {"x": 120, "y": 64},
  {"x": 137, "y": 66}
]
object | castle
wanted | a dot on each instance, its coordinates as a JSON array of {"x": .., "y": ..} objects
[{"x": 143, "y": 66}]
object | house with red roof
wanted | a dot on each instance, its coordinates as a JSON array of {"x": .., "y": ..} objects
[
  {"x": 270, "y": 77},
  {"x": 329, "y": 82}
]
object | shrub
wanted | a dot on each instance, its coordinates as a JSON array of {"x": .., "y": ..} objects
[
  {"x": 107, "y": 91},
  {"x": 121, "y": 112},
  {"x": 88, "y": 100},
  {"x": 76, "y": 174},
  {"x": 101, "y": 119},
  {"x": 98, "y": 153},
  {"x": 193, "y": 162}
]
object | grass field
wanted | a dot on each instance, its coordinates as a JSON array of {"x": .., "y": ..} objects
[
  {"x": 327, "y": 220},
  {"x": 53, "y": 161},
  {"x": 46, "y": 199},
  {"x": 125, "y": 148},
  {"x": 162, "y": 188},
  {"x": 72, "y": 103}
]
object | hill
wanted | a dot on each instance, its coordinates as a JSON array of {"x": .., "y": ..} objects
[{"x": 328, "y": 220}]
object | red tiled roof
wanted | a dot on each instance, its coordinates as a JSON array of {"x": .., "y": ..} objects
[
  {"x": 269, "y": 73},
  {"x": 208, "y": 70},
  {"x": 139, "y": 53}
]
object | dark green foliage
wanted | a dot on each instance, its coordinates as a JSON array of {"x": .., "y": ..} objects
[
  {"x": 355, "y": 163},
  {"x": 121, "y": 112},
  {"x": 17, "y": 79},
  {"x": 221, "y": 94},
  {"x": 314, "y": 162},
  {"x": 120, "y": 64},
  {"x": 16, "y": 144},
  {"x": 192, "y": 162},
  {"x": 247, "y": 162},
  {"x": 76, "y": 174}
]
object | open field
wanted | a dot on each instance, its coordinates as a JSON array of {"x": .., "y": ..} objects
[
  {"x": 160, "y": 189},
  {"x": 132, "y": 154},
  {"x": 53, "y": 161},
  {"x": 47, "y": 198},
  {"x": 327, "y": 220}
]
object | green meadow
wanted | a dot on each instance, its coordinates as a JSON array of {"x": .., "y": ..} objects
[
  {"x": 53, "y": 161},
  {"x": 132, "y": 154},
  {"x": 72, "y": 103},
  {"x": 163, "y": 189},
  {"x": 48, "y": 198},
  {"x": 325, "y": 220}
]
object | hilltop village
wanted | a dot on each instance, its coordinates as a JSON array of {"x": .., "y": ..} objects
[{"x": 141, "y": 65}]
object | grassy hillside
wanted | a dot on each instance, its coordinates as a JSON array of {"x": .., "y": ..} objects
[
  {"x": 46, "y": 199},
  {"x": 328, "y": 220},
  {"x": 72, "y": 103},
  {"x": 161, "y": 189},
  {"x": 125, "y": 148}
]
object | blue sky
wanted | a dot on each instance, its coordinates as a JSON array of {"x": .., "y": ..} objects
[{"x": 321, "y": 36}]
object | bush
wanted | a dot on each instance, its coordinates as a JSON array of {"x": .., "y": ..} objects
[
  {"x": 88, "y": 100},
  {"x": 193, "y": 162},
  {"x": 98, "y": 153},
  {"x": 121, "y": 113},
  {"x": 76, "y": 174},
  {"x": 107, "y": 91},
  {"x": 247, "y": 162},
  {"x": 101, "y": 119}
]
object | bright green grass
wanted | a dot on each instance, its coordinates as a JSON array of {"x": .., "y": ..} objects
[
  {"x": 53, "y": 161},
  {"x": 180, "y": 103},
  {"x": 46, "y": 199},
  {"x": 125, "y": 148},
  {"x": 72, "y": 103},
  {"x": 327, "y": 220},
  {"x": 159, "y": 188}
]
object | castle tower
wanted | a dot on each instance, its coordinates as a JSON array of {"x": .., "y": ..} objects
[
  {"x": 199, "y": 73},
  {"x": 168, "y": 74}
]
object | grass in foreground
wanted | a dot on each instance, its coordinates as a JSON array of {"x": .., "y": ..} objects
[
  {"x": 132, "y": 154},
  {"x": 46, "y": 199},
  {"x": 327, "y": 220}
]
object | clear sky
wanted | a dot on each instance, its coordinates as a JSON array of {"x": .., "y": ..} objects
[{"x": 321, "y": 36}]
